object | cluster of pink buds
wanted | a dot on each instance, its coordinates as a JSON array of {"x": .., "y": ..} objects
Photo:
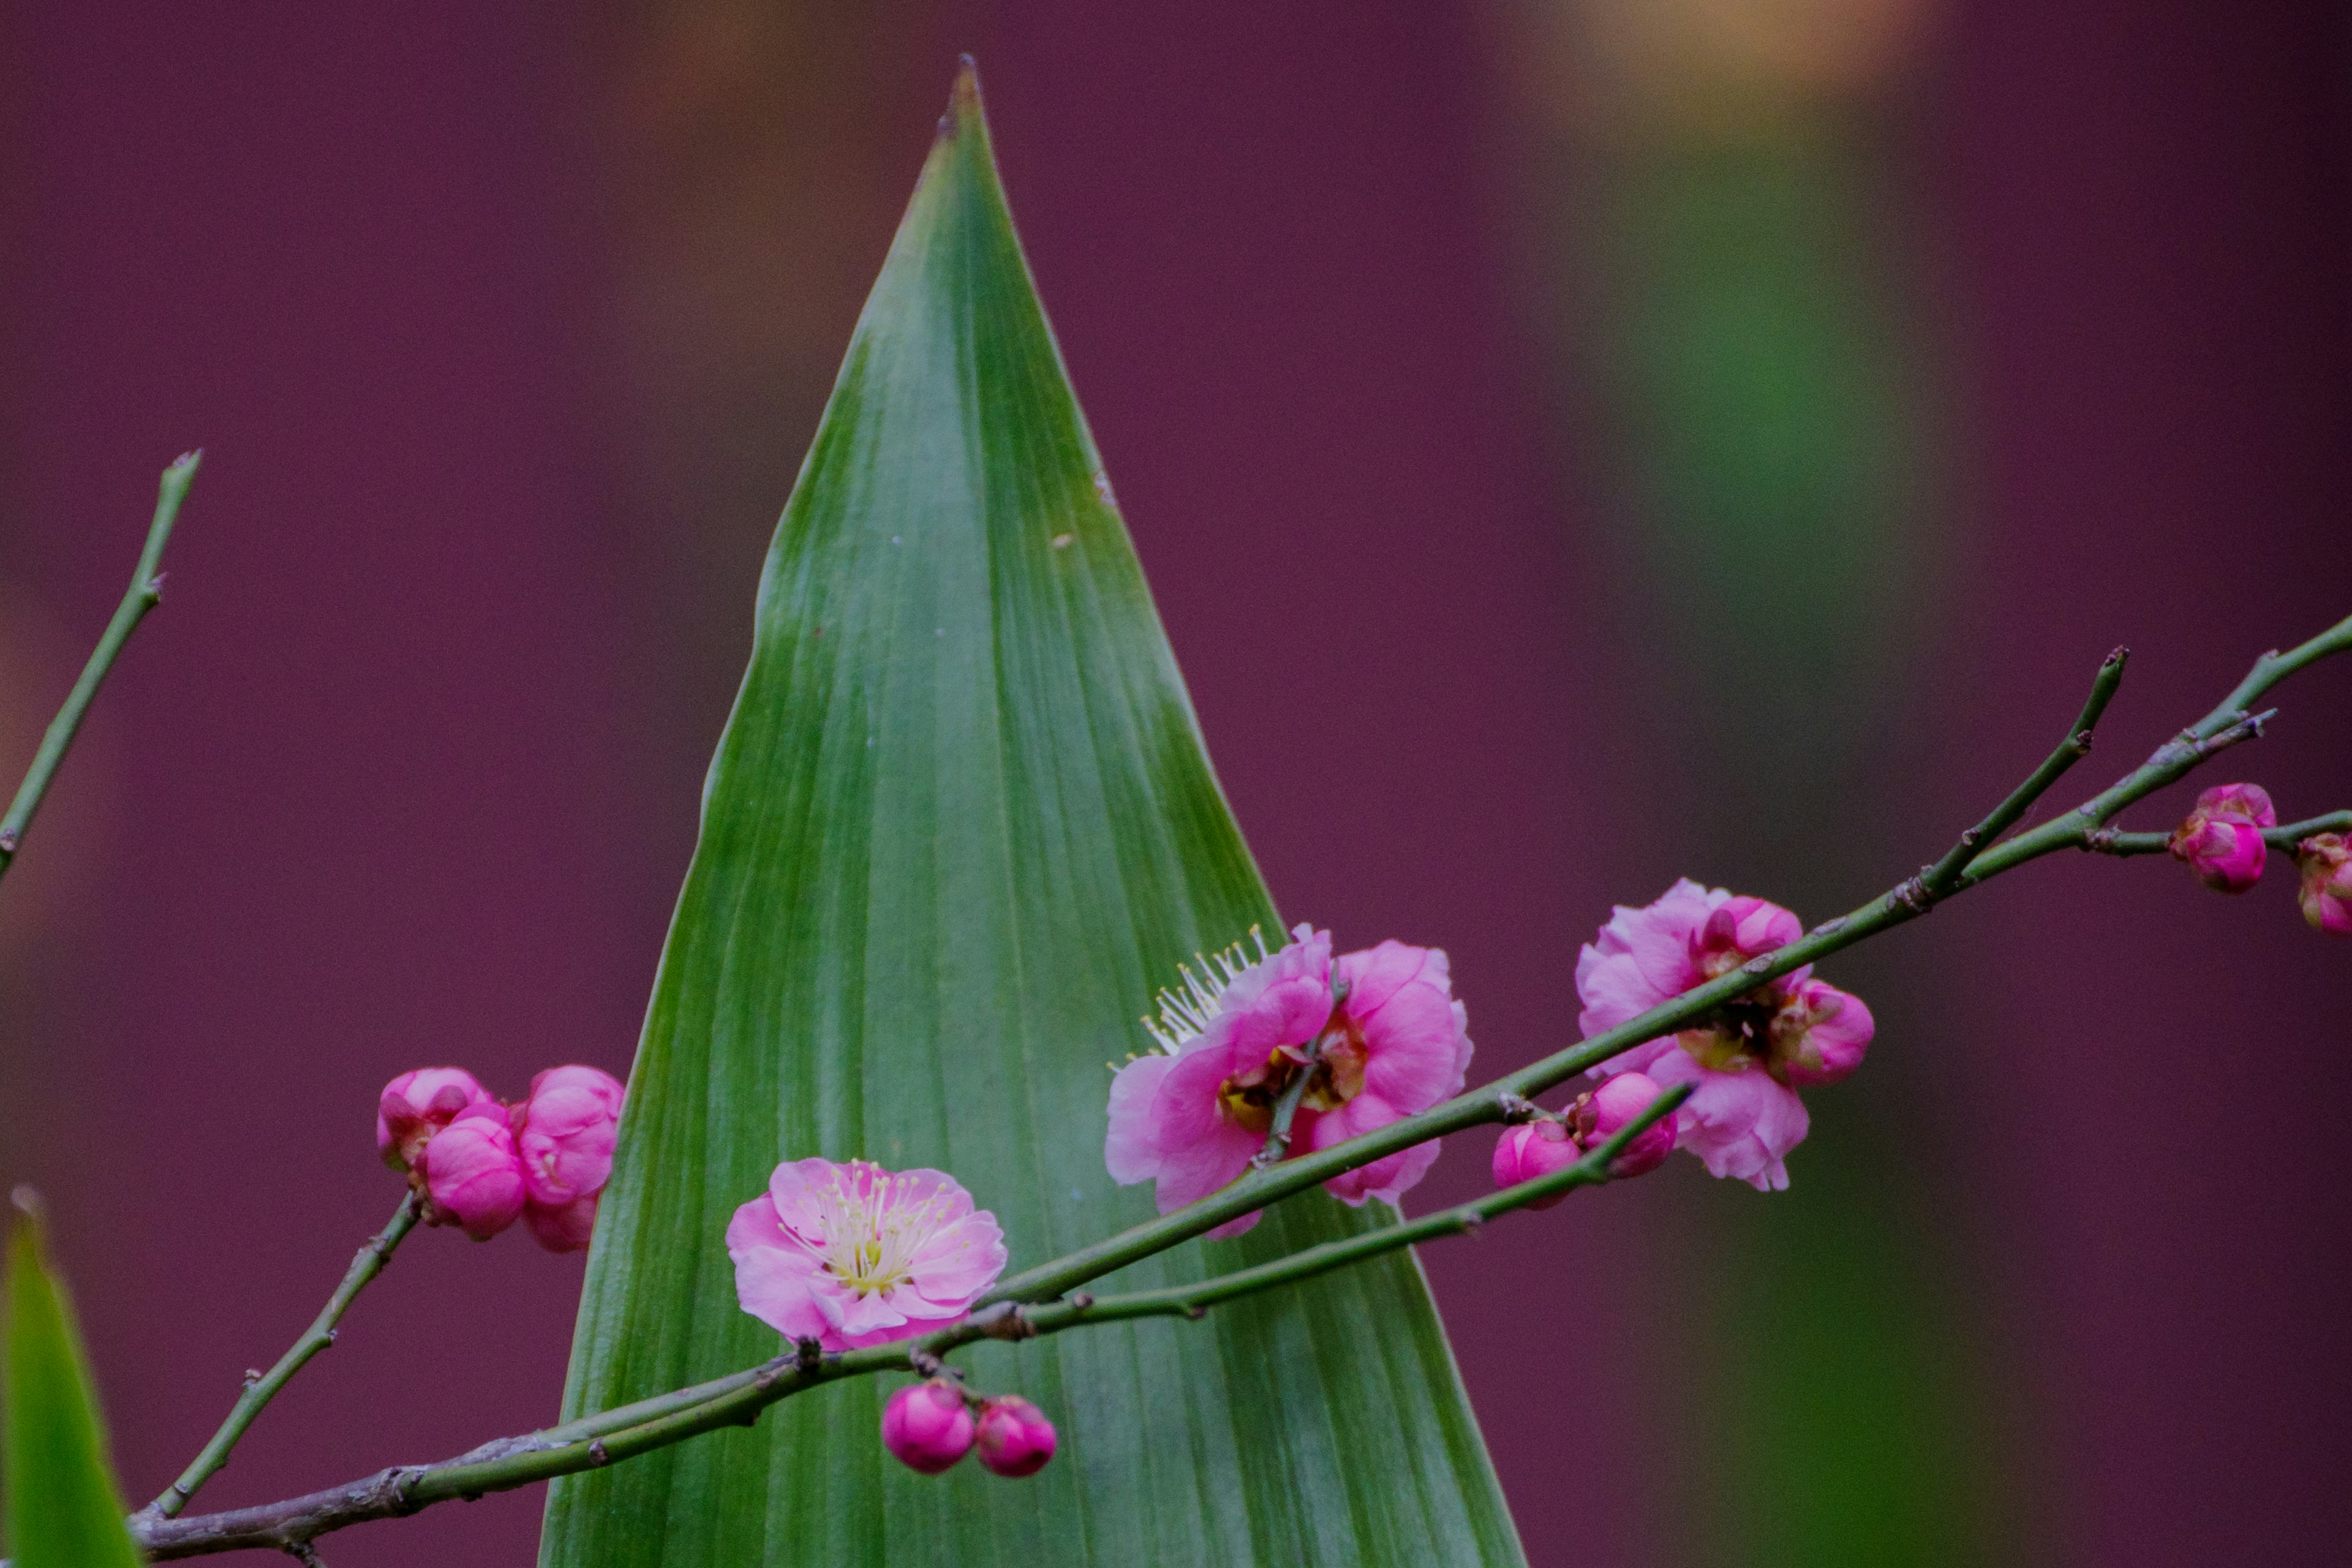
[
  {"x": 2222, "y": 840},
  {"x": 481, "y": 1165},
  {"x": 1296, "y": 1050},
  {"x": 1545, "y": 1143},
  {"x": 930, "y": 1426}
]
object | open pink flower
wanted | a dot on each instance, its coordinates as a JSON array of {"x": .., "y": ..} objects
[
  {"x": 1190, "y": 1116},
  {"x": 1748, "y": 1058},
  {"x": 854, "y": 1255},
  {"x": 1399, "y": 1044},
  {"x": 417, "y": 1105},
  {"x": 2221, "y": 837},
  {"x": 565, "y": 1132}
]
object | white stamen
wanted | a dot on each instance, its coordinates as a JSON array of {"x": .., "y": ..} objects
[
  {"x": 1185, "y": 1014},
  {"x": 870, "y": 1242}
]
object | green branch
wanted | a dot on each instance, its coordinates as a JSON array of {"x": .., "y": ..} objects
[
  {"x": 2284, "y": 838},
  {"x": 260, "y": 1390},
  {"x": 146, "y": 589}
]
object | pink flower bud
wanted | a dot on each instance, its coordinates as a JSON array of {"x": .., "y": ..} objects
[
  {"x": 1819, "y": 1034},
  {"x": 563, "y": 1227},
  {"x": 417, "y": 1105},
  {"x": 472, "y": 1178},
  {"x": 565, "y": 1133},
  {"x": 1014, "y": 1437},
  {"x": 2221, "y": 838},
  {"x": 927, "y": 1428},
  {"x": 1600, "y": 1115},
  {"x": 2325, "y": 859},
  {"x": 1534, "y": 1149}
]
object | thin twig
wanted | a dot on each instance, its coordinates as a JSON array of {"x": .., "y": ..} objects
[
  {"x": 259, "y": 1391},
  {"x": 1945, "y": 875},
  {"x": 146, "y": 591},
  {"x": 2284, "y": 838}
]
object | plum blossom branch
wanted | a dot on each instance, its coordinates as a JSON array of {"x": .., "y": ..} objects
[
  {"x": 1048, "y": 1298},
  {"x": 738, "y": 1399},
  {"x": 145, "y": 592},
  {"x": 260, "y": 1389},
  {"x": 1902, "y": 903}
]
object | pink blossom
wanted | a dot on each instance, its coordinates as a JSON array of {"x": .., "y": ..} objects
[
  {"x": 854, "y": 1255},
  {"x": 472, "y": 1177},
  {"x": 1014, "y": 1437},
  {"x": 1534, "y": 1149},
  {"x": 1606, "y": 1111},
  {"x": 1191, "y": 1115},
  {"x": 927, "y": 1427},
  {"x": 1400, "y": 1044},
  {"x": 2325, "y": 861},
  {"x": 417, "y": 1105},
  {"x": 565, "y": 1132},
  {"x": 1746, "y": 1058},
  {"x": 2221, "y": 837}
]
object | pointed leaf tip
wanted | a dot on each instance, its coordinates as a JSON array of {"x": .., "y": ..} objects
[{"x": 963, "y": 100}]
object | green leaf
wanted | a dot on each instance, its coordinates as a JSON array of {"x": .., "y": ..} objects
[
  {"x": 959, "y": 827},
  {"x": 63, "y": 1507}
]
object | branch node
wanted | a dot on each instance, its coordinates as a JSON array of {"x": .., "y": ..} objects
[
  {"x": 1081, "y": 1301},
  {"x": 1518, "y": 1109},
  {"x": 1914, "y": 894},
  {"x": 924, "y": 1363},
  {"x": 1195, "y": 1312},
  {"x": 596, "y": 1452},
  {"x": 1005, "y": 1320},
  {"x": 1473, "y": 1222},
  {"x": 807, "y": 1353}
]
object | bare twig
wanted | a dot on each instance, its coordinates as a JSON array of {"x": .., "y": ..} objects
[
  {"x": 146, "y": 591},
  {"x": 261, "y": 1389},
  {"x": 1940, "y": 879}
]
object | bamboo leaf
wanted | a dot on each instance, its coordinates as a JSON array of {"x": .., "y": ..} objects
[
  {"x": 64, "y": 1509},
  {"x": 959, "y": 827}
]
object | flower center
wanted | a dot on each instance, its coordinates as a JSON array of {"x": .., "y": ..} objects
[
  {"x": 869, "y": 1243},
  {"x": 1735, "y": 1035},
  {"x": 1334, "y": 1078}
]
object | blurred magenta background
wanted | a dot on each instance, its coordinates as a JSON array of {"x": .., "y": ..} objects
[{"x": 1717, "y": 438}]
